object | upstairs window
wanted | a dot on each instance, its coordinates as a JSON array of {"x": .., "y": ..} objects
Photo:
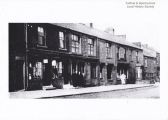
[
  {"x": 41, "y": 36},
  {"x": 62, "y": 40},
  {"x": 76, "y": 44},
  {"x": 130, "y": 56},
  {"x": 122, "y": 53},
  {"x": 108, "y": 49},
  {"x": 90, "y": 47}
]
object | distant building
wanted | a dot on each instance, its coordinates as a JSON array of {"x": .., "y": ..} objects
[{"x": 151, "y": 67}]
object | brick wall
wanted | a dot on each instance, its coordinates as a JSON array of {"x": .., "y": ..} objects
[{"x": 102, "y": 53}]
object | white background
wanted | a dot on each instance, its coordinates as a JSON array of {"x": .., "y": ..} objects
[{"x": 84, "y": 12}]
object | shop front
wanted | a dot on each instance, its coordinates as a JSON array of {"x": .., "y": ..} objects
[
  {"x": 47, "y": 70},
  {"x": 84, "y": 71}
]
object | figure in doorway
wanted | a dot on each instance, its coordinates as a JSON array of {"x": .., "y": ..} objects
[
  {"x": 74, "y": 78},
  {"x": 123, "y": 78}
]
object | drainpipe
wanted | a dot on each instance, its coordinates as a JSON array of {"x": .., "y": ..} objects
[{"x": 26, "y": 59}]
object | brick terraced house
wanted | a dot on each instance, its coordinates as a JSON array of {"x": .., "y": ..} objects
[
  {"x": 151, "y": 67},
  {"x": 40, "y": 52}
]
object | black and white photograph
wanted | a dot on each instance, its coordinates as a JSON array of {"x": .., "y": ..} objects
[
  {"x": 83, "y": 60},
  {"x": 76, "y": 60}
]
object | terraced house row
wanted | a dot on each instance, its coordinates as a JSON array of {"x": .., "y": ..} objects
[{"x": 35, "y": 49}]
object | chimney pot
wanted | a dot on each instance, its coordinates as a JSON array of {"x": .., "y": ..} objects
[{"x": 91, "y": 25}]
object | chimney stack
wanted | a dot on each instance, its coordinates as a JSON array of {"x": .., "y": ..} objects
[
  {"x": 138, "y": 44},
  {"x": 110, "y": 30},
  {"x": 113, "y": 31},
  {"x": 91, "y": 25}
]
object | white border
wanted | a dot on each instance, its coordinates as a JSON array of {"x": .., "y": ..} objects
[{"x": 75, "y": 11}]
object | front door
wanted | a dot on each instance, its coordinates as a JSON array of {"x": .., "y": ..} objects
[
  {"x": 46, "y": 72},
  {"x": 18, "y": 80}
]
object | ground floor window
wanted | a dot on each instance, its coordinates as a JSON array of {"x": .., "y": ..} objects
[
  {"x": 78, "y": 67},
  {"x": 58, "y": 65},
  {"x": 35, "y": 70}
]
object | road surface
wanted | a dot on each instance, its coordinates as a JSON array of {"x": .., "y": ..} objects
[{"x": 146, "y": 92}]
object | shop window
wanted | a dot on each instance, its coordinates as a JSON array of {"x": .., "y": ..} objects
[
  {"x": 81, "y": 67},
  {"x": 76, "y": 44},
  {"x": 35, "y": 71},
  {"x": 93, "y": 71},
  {"x": 60, "y": 67},
  {"x": 54, "y": 63},
  {"x": 41, "y": 36},
  {"x": 90, "y": 47},
  {"x": 78, "y": 67},
  {"x": 62, "y": 40},
  {"x": 74, "y": 67},
  {"x": 108, "y": 50}
]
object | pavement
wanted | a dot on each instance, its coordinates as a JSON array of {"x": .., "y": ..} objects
[{"x": 74, "y": 91}]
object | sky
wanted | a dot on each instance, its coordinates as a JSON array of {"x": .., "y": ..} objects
[
  {"x": 146, "y": 33},
  {"x": 138, "y": 24}
]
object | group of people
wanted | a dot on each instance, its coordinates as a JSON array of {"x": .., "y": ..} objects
[{"x": 77, "y": 79}]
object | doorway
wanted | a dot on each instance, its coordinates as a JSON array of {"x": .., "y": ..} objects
[
  {"x": 46, "y": 72},
  {"x": 18, "y": 80}
]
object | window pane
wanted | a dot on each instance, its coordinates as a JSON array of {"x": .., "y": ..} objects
[
  {"x": 75, "y": 38},
  {"x": 61, "y": 34},
  {"x": 91, "y": 53},
  {"x": 40, "y": 40},
  {"x": 61, "y": 44},
  {"x": 88, "y": 49},
  {"x": 40, "y": 30},
  {"x": 77, "y": 44},
  {"x": 73, "y": 49}
]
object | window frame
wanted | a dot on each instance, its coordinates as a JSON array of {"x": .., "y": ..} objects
[
  {"x": 108, "y": 50},
  {"x": 119, "y": 53},
  {"x": 137, "y": 57},
  {"x": 90, "y": 50},
  {"x": 63, "y": 39},
  {"x": 41, "y": 32},
  {"x": 76, "y": 44}
]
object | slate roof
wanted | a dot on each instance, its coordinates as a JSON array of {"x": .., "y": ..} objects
[{"x": 97, "y": 33}]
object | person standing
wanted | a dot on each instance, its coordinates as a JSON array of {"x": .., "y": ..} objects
[{"x": 123, "y": 78}]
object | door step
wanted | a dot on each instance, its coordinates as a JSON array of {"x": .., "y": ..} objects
[
  {"x": 50, "y": 87},
  {"x": 68, "y": 86}
]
